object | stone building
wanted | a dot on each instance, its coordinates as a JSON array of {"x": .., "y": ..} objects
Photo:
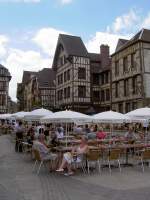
[
  {"x": 131, "y": 73},
  {"x": 37, "y": 90},
  {"x": 82, "y": 78},
  {"x": 5, "y": 78}
]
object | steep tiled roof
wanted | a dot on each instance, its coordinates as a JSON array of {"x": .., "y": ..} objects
[
  {"x": 73, "y": 45},
  {"x": 27, "y": 75},
  {"x": 142, "y": 35},
  {"x": 5, "y": 72},
  {"x": 46, "y": 77},
  {"x": 120, "y": 43}
]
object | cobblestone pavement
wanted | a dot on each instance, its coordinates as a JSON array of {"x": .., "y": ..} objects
[{"x": 18, "y": 182}]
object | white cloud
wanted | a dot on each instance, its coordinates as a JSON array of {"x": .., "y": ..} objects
[
  {"x": 146, "y": 21},
  {"x": 20, "y": 1},
  {"x": 125, "y": 23},
  {"x": 46, "y": 39},
  {"x": 63, "y": 2},
  {"x": 19, "y": 60},
  {"x": 93, "y": 45},
  {"x": 4, "y": 40}
]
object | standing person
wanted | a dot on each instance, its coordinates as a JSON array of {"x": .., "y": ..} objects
[{"x": 19, "y": 137}]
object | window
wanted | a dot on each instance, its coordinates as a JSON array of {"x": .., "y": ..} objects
[
  {"x": 134, "y": 85},
  {"x": 2, "y": 85},
  {"x": 107, "y": 95},
  {"x": 134, "y": 105},
  {"x": 2, "y": 100},
  {"x": 96, "y": 96},
  {"x": 102, "y": 79},
  {"x": 95, "y": 79},
  {"x": 117, "y": 89},
  {"x": 68, "y": 92},
  {"x": 125, "y": 64},
  {"x": 65, "y": 76},
  {"x": 102, "y": 95},
  {"x": 126, "y": 88},
  {"x": 60, "y": 94},
  {"x": 81, "y": 73},
  {"x": 68, "y": 74},
  {"x": 120, "y": 108},
  {"x": 127, "y": 107},
  {"x": 65, "y": 93},
  {"x": 60, "y": 79},
  {"x": 133, "y": 64},
  {"x": 106, "y": 77},
  {"x": 81, "y": 91},
  {"x": 117, "y": 68}
]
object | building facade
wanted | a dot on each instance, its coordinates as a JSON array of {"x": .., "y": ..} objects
[
  {"x": 37, "y": 90},
  {"x": 82, "y": 79},
  {"x": 5, "y": 78},
  {"x": 131, "y": 73}
]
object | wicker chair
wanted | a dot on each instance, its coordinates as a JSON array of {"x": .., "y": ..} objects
[
  {"x": 41, "y": 160},
  {"x": 114, "y": 155},
  {"x": 94, "y": 156},
  {"x": 143, "y": 156}
]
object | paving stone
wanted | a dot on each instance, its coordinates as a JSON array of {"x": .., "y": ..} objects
[{"x": 18, "y": 182}]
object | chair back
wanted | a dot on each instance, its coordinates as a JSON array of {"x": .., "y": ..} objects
[
  {"x": 92, "y": 142},
  {"x": 114, "y": 154},
  {"x": 37, "y": 155},
  {"x": 146, "y": 154},
  {"x": 93, "y": 155}
]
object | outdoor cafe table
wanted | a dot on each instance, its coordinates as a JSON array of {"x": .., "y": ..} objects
[{"x": 70, "y": 141}]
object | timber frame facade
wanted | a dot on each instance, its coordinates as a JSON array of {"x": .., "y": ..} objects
[
  {"x": 37, "y": 90},
  {"x": 131, "y": 73},
  {"x": 75, "y": 82},
  {"x": 5, "y": 78}
]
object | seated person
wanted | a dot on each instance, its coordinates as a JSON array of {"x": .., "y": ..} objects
[
  {"x": 130, "y": 135},
  {"x": 43, "y": 150},
  {"x": 101, "y": 134},
  {"x": 68, "y": 157},
  {"x": 91, "y": 135},
  {"x": 78, "y": 130},
  {"x": 86, "y": 129}
]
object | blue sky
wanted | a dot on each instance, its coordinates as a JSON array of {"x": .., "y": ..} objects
[{"x": 29, "y": 28}]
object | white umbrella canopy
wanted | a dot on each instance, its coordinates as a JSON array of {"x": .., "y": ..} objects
[
  {"x": 67, "y": 116},
  {"x": 19, "y": 115},
  {"x": 37, "y": 114},
  {"x": 5, "y": 116},
  {"x": 139, "y": 113},
  {"x": 110, "y": 117}
]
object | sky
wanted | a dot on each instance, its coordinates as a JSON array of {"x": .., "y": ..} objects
[{"x": 30, "y": 28}]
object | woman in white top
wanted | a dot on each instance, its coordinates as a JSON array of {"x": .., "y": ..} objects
[{"x": 68, "y": 157}]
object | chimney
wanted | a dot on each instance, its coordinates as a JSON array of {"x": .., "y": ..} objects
[{"x": 105, "y": 59}]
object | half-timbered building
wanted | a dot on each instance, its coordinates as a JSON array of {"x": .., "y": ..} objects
[
  {"x": 131, "y": 73},
  {"x": 79, "y": 75},
  {"x": 5, "y": 78},
  {"x": 37, "y": 90}
]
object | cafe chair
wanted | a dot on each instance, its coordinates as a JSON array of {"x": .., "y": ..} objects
[
  {"x": 94, "y": 156},
  {"x": 42, "y": 161},
  {"x": 144, "y": 156},
  {"x": 114, "y": 155}
]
